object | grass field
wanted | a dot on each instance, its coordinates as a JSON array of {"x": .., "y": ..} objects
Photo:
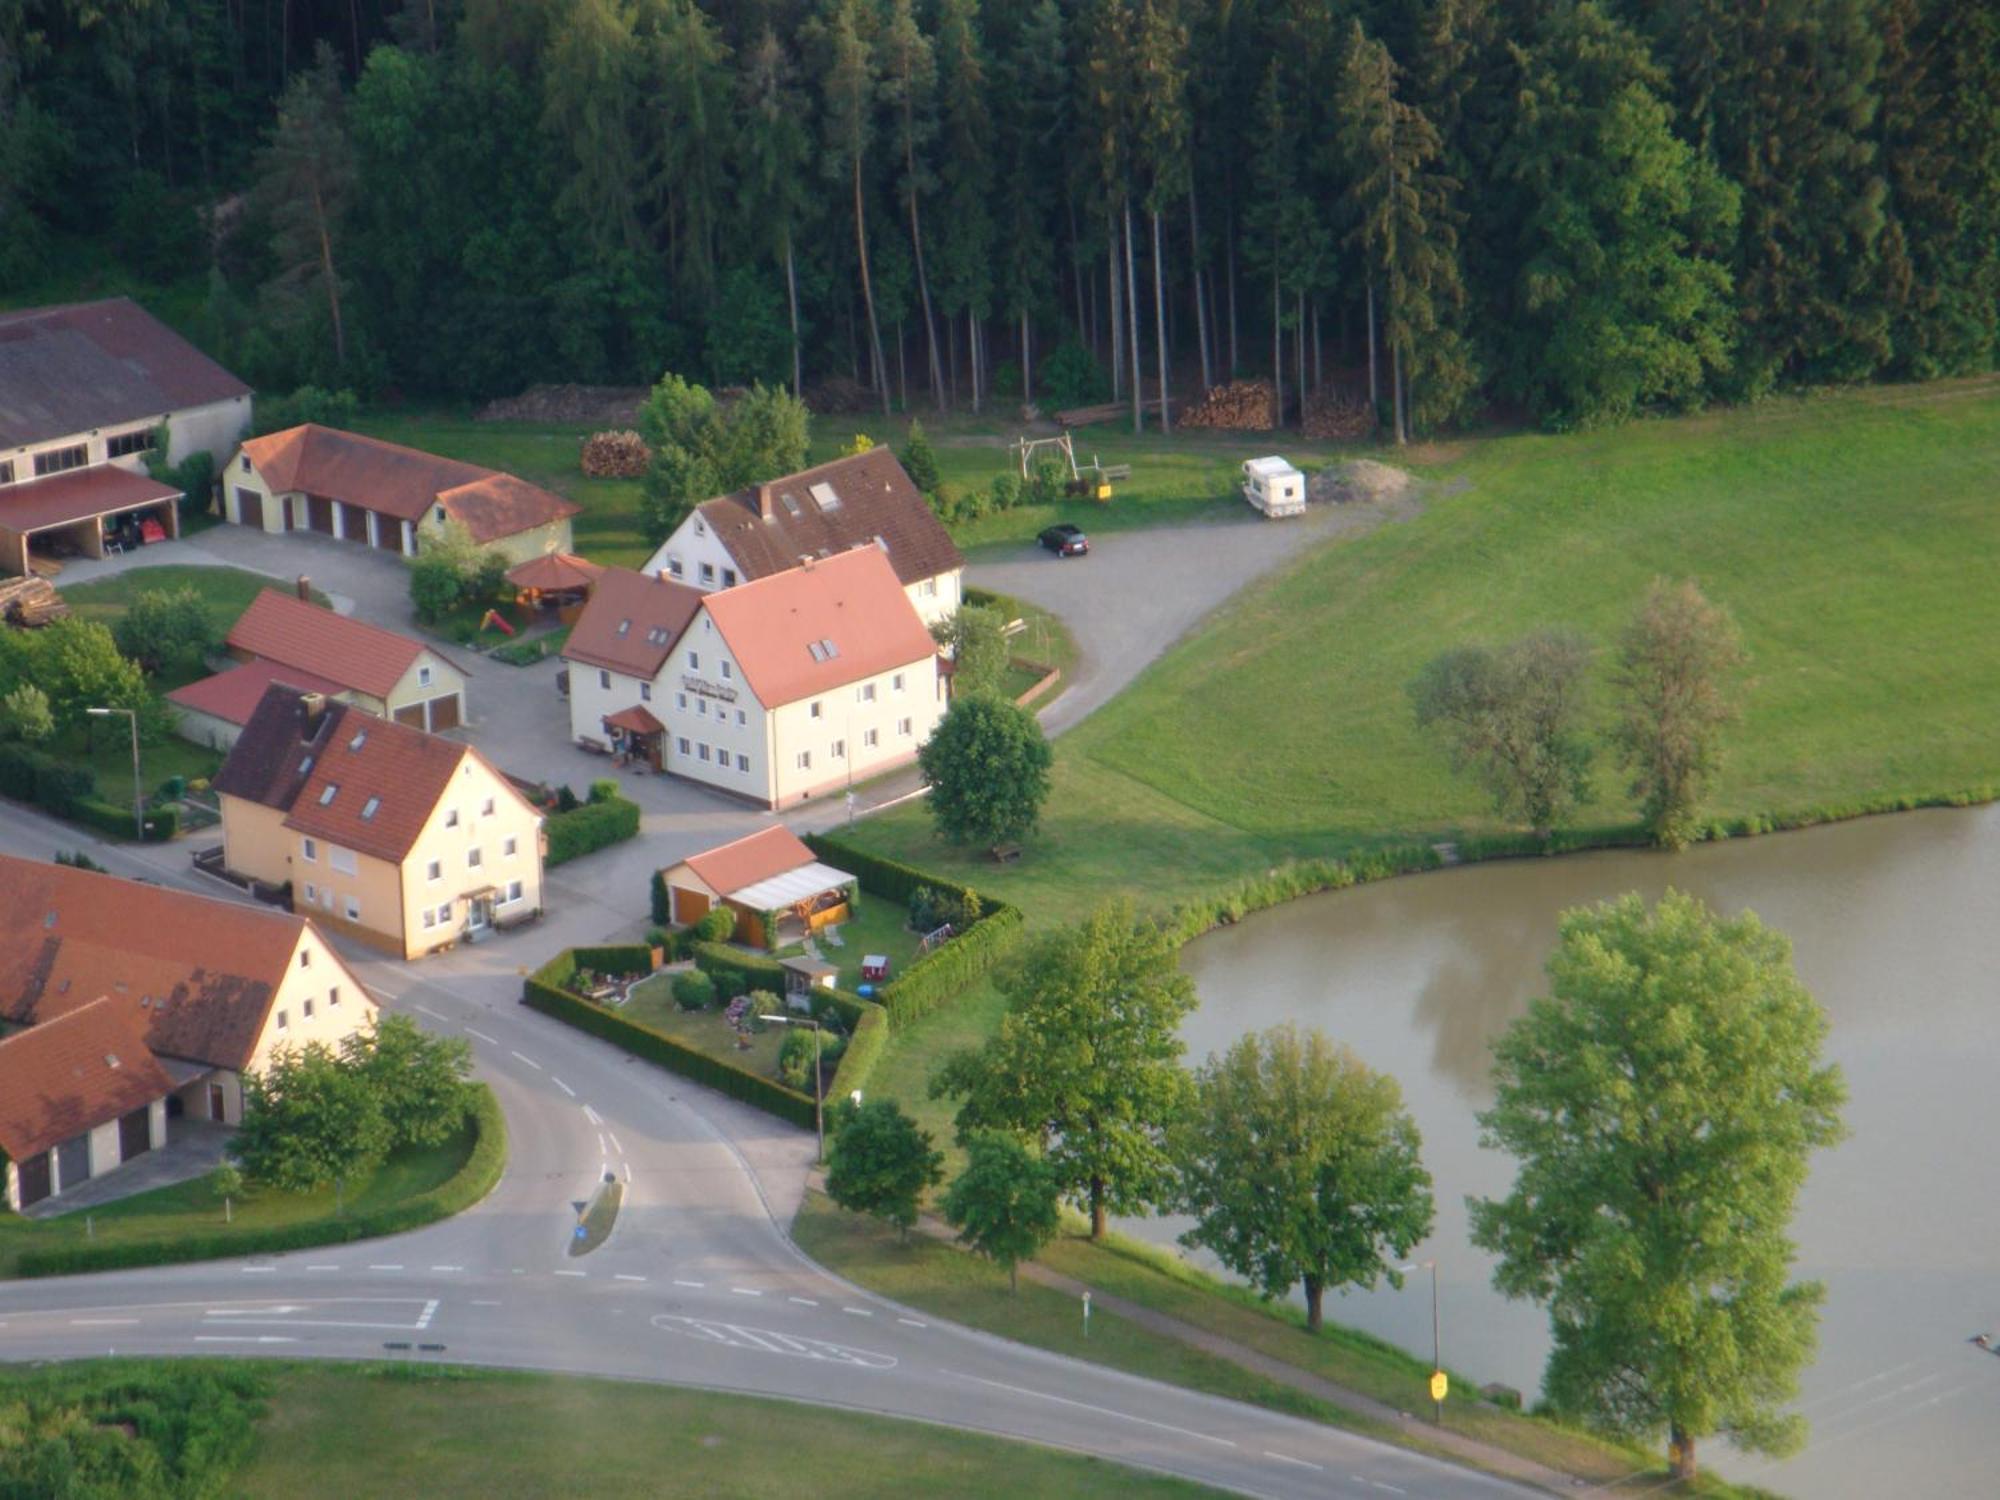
[
  {"x": 224, "y": 592},
  {"x": 187, "y": 1208},
  {"x": 1851, "y": 535},
  {"x": 652, "y": 1004},
  {"x": 1171, "y": 481},
  {"x": 337, "y": 1433}
]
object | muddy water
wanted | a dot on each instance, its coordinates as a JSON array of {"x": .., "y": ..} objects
[{"x": 1895, "y": 924}]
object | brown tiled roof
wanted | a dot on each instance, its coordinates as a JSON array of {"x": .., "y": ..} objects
[
  {"x": 77, "y": 496},
  {"x": 767, "y": 852},
  {"x": 233, "y": 696},
  {"x": 631, "y": 622},
  {"x": 71, "y": 368},
  {"x": 272, "y": 757},
  {"x": 638, "y": 719},
  {"x": 284, "y": 628},
  {"x": 777, "y": 525},
  {"x": 819, "y": 627},
  {"x": 501, "y": 505},
  {"x": 194, "y": 974},
  {"x": 364, "y": 471},
  {"x": 78, "y": 1071},
  {"x": 555, "y": 570}
]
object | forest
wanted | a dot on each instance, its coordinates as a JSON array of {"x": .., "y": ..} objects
[{"x": 1560, "y": 211}]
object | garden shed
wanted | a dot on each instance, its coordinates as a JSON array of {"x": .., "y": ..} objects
[{"x": 779, "y": 891}]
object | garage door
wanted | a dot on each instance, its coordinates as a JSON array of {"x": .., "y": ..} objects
[
  {"x": 73, "y": 1160},
  {"x": 389, "y": 533},
  {"x": 35, "y": 1178},
  {"x": 353, "y": 523},
  {"x": 444, "y": 712},
  {"x": 689, "y": 906},
  {"x": 319, "y": 514},
  {"x": 250, "y": 508},
  {"x": 135, "y": 1134},
  {"x": 411, "y": 714}
]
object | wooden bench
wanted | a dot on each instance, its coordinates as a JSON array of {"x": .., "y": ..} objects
[{"x": 1005, "y": 854}]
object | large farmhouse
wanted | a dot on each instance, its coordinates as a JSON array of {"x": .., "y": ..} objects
[
  {"x": 383, "y": 495},
  {"x": 407, "y": 841},
  {"x": 777, "y": 690},
  {"x": 143, "y": 1004},
  {"x": 865, "y": 500},
  {"x": 84, "y": 389}
]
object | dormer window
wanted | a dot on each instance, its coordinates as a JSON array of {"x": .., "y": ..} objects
[
  {"x": 825, "y": 495},
  {"x": 326, "y": 795},
  {"x": 624, "y": 627},
  {"x": 369, "y": 808},
  {"x": 360, "y": 739}
]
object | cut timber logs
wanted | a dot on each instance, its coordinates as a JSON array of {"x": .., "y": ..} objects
[
  {"x": 615, "y": 455},
  {"x": 30, "y": 602},
  {"x": 1333, "y": 417},
  {"x": 1240, "y": 406}
]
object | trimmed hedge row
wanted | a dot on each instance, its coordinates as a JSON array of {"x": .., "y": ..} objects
[
  {"x": 613, "y": 958},
  {"x": 586, "y": 829},
  {"x": 865, "y": 1041},
  {"x": 886, "y": 877},
  {"x": 162, "y": 823},
  {"x": 465, "y": 1187},
  {"x": 947, "y": 971},
  {"x": 659, "y": 1048}
]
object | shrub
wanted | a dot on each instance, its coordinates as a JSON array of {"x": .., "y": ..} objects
[
  {"x": 694, "y": 990},
  {"x": 860, "y": 1052},
  {"x": 1071, "y": 376},
  {"x": 661, "y": 902},
  {"x": 795, "y": 1057},
  {"x": 920, "y": 459},
  {"x": 716, "y": 924},
  {"x": 604, "y": 789},
  {"x": 566, "y": 801},
  {"x": 594, "y": 826},
  {"x": 1005, "y": 491},
  {"x": 165, "y": 628},
  {"x": 309, "y": 403},
  {"x": 435, "y": 586},
  {"x": 620, "y": 454}
]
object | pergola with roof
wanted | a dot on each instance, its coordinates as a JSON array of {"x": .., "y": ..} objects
[
  {"x": 772, "y": 882},
  {"x": 560, "y": 581},
  {"x": 635, "y": 732}
]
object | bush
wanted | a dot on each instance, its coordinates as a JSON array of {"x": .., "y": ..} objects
[
  {"x": 309, "y": 403},
  {"x": 1005, "y": 491},
  {"x": 566, "y": 801},
  {"x": 795, "y": 1057},
  {"x": 594, "y": 826},
  {"x": 604, "y": 789},
  {"x": 716, "y": 924},
  {"x": 694, "y": 990},
  {"x": 435, "y": 586},
  {"x": 1071, "y": 376},
  {"x": 661, "y": 902}
]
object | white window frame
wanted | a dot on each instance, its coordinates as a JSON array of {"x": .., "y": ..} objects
[
  {"x": 309, "y": 850},
  {"x": 353, "y": 909}
]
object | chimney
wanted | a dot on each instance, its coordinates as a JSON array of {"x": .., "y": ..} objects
[
  {"x": 312, "y": 708},
  {"x": 305, "y": 588},
  {"x": 767, "y": 495}
]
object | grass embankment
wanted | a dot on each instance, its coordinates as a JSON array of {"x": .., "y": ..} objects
[
  {"x": 1177, "y": 480},
  {"x": 152, "y": 1429},
  {"x": 415, "y": 1186},
  {"x": 1851, "y": 535}
]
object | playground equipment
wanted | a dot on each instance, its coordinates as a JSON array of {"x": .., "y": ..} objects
[{"x": 1093, "y": 479}]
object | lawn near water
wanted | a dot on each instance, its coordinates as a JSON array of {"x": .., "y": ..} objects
[{"x": 1852, "y": 536}]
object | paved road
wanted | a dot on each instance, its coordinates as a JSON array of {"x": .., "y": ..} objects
[{"x": 698, "y": 1284}]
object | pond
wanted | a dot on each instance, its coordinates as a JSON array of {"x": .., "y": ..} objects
[{"x": 1895, "y": 924}]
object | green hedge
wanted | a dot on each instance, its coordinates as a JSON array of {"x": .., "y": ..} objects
[
  {"x": 663, "y": 1050},
  {"x": 162, "y": 823},
  {"x": 865, "y": 1041},
  {"x": 886, "y": 877},
  {"x": 949, "y": 970},
  {"x": 473, "y": 1181},
  {"x": 593, "y": 826},
  {"x": 614, "y": 958},
  {"x": 739, "y": 967}
]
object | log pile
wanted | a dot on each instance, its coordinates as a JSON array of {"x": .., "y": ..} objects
[
  {"x": 30, "y": 602},
  {"x": 615, "y": 455},
  {"x": 1240, "y": 406},
  {"x": 1334, "y": 417}
]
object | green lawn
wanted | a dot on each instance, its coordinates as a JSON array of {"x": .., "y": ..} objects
[
  {"x": 186, "y": 1208},
  {"x": 1852, "y": 535},
  {"x": 652, "y": 1004},
  {"x": 879, "y": 926},
  {"x": 445, "y": 1432},
  {"x": 110, "y": 760},
  {"x": 225, "y": 592}
]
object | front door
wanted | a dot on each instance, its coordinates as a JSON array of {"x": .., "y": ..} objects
[
  {"x": 250, "y": 508},
  {"x": 216, "y": 1110},
  {"x": 478, "y": 913}
]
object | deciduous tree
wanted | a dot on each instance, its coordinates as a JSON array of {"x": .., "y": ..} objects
[
  {"x": 305, "y": 181},
  {"x": 987, "y": 767},
  {"x": 1676, "y": 665},
  {"x": 1005, "y": 1203},
  {"x": 702, "y": 449},
  {"x": 308, "y": 1120},
  {"x": 1086, "y": 1063},
  {"x": 165, "y": 630},
  {"x": 1662, "y": 1102},
  {"x": 1301, "y": 1167},
  {"x": 975, "y": 636},
  {"x": 420, "y": 1081},
  {"x": 880, "y": 1162}
]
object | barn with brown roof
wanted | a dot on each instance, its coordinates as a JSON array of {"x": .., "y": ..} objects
[
  {"x": 202, "y": 989},
  {"x": 383, "y": 495}
]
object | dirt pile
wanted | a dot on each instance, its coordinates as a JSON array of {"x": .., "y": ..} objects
[
  {"x": 1240, "y": 406},
  {"x": 569, "y": 406},
  {"x": 1357, "y": 479}
]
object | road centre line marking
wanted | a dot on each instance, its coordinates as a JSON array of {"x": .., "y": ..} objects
[
  {"x": 242, "y": 1338},
  {"x": 679, "y": 1282},
  {"x": 256, "y": 1270},
  {"x": 447, "y": 1268},
  {"x": 744, "y": 1291},
  {"x": 431, "y": 1013},
  {"x": 386, "y": 1268},
  {"x": 563, "y": 1086},
  {"x": 1021, "y": 1390},
  {"x": 101, "y": 1322},
  {"x": 1389, "y": 1487},
  {"x": 485, "y": 1302},
  {"x": 600, "y": 1143},
  {"x": 489, "y": 1040},
  {"x": 1286, "y": 1458},
  {"x": 572, "y": 1273},
  {"x": 323, "y": 1268},
  {"x": 913, "y": 1322},
  {"x": 614, "y": 1142},
  {"x": 621, "y": 1276},
  {"x": 803, "y": 1301},
  {"x": 527, "y": 1059},
  {"x": 592, "y": 1115},
  {"x": 859, "y": 1312}
]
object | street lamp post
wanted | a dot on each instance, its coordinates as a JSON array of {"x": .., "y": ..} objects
[
  {"x": 1437, "y": 1352},
  {"x": 819, "y": 1093},
  {"x": 138, "y": 795}
]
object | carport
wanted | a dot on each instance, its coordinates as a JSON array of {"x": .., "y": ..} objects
[{"x": 75, "y": 513}]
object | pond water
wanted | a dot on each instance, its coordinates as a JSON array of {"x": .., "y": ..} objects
[{"x": 1895, "y": 925}]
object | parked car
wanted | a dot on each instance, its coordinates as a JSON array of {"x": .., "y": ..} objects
[{"x": 1065, "y": 540}]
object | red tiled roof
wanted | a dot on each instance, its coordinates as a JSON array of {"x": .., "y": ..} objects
[
  {"x": 194, "y": 974},
  {"x": 283, "y": 628},
  {"x": 731, "y": 867},
  {"x": 553, "y": 571},
  {"x": 501, "y": 505},
  {"x": 638, "y": 719},
  {"x": 82, "y": 365},
  {"x": 819, "y": 627},
  {"x": 100, "y": 490},
  {"x": 631, "y": 622},
  {"x": 64, "y": 1077},
  {"x": 233, "y": 696},
  {"x": 364, "y": 471},
  {"x": 776, "y": 525}
]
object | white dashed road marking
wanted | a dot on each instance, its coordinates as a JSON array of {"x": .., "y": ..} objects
[
  {"x": 1104, "y": 1411},
  {"x": 744, "y": 1291},
  {"x": 432, "y": 1014},
  {"x": 490, "y": 1041},
  {"x": 322, "y": 1268},
  {"x": 1286, "y": 1458},
  {"x": 385, "y": 1268},
  {"x": 679, "y": 1282},
  {"x": 527, "y": 1059},
  {"x": 447, "y": 1268},
  {"x": 614, "y": 1143},
  {"x": 102, "y": 1322},
  {"x": 572, "y": 1273},
  {"x": 859, "y": 1312},
  {"x": 561, "y": 1085},
  {"x": 621, "y": 1276},
  {"x": 592, "y": 1115},
  {"x": 803, "y": 1301}
]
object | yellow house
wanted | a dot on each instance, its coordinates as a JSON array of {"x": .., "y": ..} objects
[
  {"x": 389, "y": 675},
  {"x": 210, "y": 988},
  {"x": 402, "y": 839}
]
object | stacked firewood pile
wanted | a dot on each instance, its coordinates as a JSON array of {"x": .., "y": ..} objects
[
  {"x": 1240, "y": 406},
  {"x": 30, "y": 602},
  {"x": 839, "y": 396},
  {"x": 615, "y": 455},
  {"x": 1336, "y": 417}
]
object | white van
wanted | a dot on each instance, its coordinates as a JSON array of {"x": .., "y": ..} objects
[{"x": 1274, "y": 487}]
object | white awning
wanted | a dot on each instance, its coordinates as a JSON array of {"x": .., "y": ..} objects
[{"x": 780, "y": 891}]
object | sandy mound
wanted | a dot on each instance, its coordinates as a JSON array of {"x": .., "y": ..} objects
[{"x": 1358, "y": 479}]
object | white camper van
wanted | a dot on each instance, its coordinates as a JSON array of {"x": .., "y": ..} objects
[{"x": 1274, "y": 487}]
